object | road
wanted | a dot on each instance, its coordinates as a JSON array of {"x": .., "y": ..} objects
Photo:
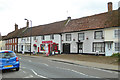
[{"x": 42, "y": 67}]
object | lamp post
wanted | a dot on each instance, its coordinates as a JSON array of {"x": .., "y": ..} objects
[{"x": 30, "y": 32}]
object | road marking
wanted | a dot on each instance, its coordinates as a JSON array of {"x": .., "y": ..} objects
[
  {"x": 30, "y": 76},
  {"x": 89, "y": 67},
  {"x": 78, "y": 72},
  {"x": 29, "y": 60},
  {"x": 37, "y": 74},
  {"x": 45, "y": 64},
  {"x": 24, "y": 72},
  {"x": 23, "y": 67}
]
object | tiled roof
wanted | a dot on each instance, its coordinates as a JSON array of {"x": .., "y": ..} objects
[
  {"x": 52, "y": 28},
  {"x": 14, "y": 34},
  {"x": 103, "y": 20}
]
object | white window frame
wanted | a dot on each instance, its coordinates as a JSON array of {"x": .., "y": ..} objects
[
  {"x": 117, "y": 46},
  {"x": 96, "y": 35},
  {"x": 81, "y": 36},
  {"x": 68, "y": 37},
  {"x": 117, "y": 33},
  {"x": 52, "y": 36}
]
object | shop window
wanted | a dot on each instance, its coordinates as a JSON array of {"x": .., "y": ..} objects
[{"x": 42, "y": 47}]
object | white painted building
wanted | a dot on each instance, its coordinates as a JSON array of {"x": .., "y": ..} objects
[
  {"x": 37, "y": 43},
  {"x": 83, "y": 41}
]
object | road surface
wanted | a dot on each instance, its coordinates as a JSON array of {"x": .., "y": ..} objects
[{"x": 42, "y": 67}]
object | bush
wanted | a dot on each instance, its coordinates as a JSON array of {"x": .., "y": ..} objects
[{"x": 116, "y": 55}]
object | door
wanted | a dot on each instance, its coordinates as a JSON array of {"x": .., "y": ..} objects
[
  {"x": 80, "y": 47},
  {"x": 66, "y": 48},
  {"x": 22, "y": 48},
  {"x": 108, "y": 49}
]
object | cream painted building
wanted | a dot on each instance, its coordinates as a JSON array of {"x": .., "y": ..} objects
[{"x": 112, "y": 40}]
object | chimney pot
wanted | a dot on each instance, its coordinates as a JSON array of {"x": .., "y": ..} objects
[
  {"x": 69, "y": 18},
  {"x": 109, "y": 6},
  {"x": 16, "y": 27}
]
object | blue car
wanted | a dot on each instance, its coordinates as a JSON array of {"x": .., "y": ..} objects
[{"x": 8, "y": 60}]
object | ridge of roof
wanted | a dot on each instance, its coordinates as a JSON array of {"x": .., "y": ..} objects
[{"x": 97, "y": 21}]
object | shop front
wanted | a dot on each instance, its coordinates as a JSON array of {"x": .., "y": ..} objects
[{"x": 49, "y": 48}]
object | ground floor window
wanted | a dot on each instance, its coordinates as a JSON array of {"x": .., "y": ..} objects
[
  {"x": 15, "y": 47},
  {"x": 98, "y": 47},
  {"x": 27, "y": 47},
  {"x": 42, "y": 46},
  {"x": 117, "y": 46}
]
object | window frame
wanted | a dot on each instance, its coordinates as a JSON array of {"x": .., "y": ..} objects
[
  {"x": 83, "y": 38},
  {"x": 52, "y": 36},
  {"x": 116, "y": 33},
  {"x": 43, "y": 37},
  {"x": 118, "y": 46},
  {"x": 102, "y": 46},
  {"x": 68, "y": 37},
  {"x": 101, "y": 37}
]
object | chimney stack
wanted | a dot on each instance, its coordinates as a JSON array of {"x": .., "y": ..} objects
[
  {"x": 109, "y": 6},
  {"x": 16, "y": 27},
  {"x": 27, "y": 24}
]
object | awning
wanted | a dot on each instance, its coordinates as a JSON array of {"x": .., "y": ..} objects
[{"x": 35, "y": 45}]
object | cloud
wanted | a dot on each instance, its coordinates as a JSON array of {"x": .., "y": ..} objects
[{"x": 47, "y": 11}]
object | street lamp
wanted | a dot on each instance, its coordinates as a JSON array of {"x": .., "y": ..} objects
[{"x": 30, "y": 32}]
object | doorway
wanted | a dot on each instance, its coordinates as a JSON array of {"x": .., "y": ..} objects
[
  {"x": 66, "y": 48},
  {"x": 80, "y": 47}
]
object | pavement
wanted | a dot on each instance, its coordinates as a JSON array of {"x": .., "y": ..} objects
[{"x": 83, "y": 63}]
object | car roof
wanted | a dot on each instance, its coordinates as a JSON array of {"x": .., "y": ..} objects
[{"x": 5, "y": 50}]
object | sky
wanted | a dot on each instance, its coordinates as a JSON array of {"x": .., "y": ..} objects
[{"x": 42, "y": 12}]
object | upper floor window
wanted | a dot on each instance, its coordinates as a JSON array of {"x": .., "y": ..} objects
[
  {"x": 42, "y": 37},
  {"x": 117, "y": 33},
  {"x": 23, "y": 39},
  {"x": 98, "y": 35},
  {"x": 117, "y": 46},
  {"x": 80, "y": 36},
  {"x": 68, "y": 37},
  {"x": 51, "y": 36},
  {"x": 27, "y": 38},
  {"x": 9, "y": 40},
  {"x": 15, "y": 40},
  {"x": 35, "y": 38}
]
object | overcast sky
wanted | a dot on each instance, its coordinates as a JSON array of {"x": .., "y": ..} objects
[{"x": 47, "y": 11}]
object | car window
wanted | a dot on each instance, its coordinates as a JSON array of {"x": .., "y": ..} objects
[{"x": 7, "y": 55}]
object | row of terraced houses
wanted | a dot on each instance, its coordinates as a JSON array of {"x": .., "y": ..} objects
[{"x": 98, "y": 33}]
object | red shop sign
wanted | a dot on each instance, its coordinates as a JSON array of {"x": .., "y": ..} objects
[{"x": 47, "y": 42}]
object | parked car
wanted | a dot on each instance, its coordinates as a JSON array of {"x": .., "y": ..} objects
[{"x": 9, "y": 60}]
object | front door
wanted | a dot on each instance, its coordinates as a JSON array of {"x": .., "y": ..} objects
[
  {"x": 66, "y": 48},
  {"x": 80, "y": 47},
  {"x": 22, "y": 48},
  {"x": 108, "y": 49}
]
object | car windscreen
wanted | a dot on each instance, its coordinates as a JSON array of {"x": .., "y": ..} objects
[{"x": 7, "y": 55}]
